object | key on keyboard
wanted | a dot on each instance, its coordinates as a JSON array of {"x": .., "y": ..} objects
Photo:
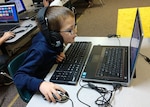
[{"x": 68, "y": 72}]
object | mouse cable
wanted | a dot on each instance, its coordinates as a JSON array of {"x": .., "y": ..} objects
[
  {"x": 70, "y": 100},
  {"x": 145, "y": 57},
  {"x": 82, "y": 86}
]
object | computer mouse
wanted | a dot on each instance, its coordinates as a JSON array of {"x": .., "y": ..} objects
[
  {"x": 10, "y": 38},
  {"x": 64, "y": 97}
]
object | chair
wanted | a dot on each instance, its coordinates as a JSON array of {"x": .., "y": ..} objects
[{"x": 12, "y": 68}]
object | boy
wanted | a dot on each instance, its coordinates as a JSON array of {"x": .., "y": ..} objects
[{"x": 57, "y": 28}]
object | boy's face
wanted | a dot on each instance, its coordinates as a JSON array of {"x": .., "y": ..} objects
[{"x": 69, "y": 30}]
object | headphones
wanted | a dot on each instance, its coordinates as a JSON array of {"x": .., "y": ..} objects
[{"x": 53, "y": 38}]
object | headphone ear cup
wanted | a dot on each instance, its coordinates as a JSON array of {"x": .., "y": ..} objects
[
  {"x": 56, "y": 39},
  {"x": 52, "y": 37}
]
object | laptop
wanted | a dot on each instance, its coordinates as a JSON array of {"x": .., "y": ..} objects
[
  {"x": 122, "y": 69},
  {"x": 21, "y": 9},
  {"x": 8, "y": 17}
]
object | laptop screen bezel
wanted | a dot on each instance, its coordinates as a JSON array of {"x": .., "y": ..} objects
[
  {"x": 141, "y": 35},
  {"x": 18, "y": 2}
]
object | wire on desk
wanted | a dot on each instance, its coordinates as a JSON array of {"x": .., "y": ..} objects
[
  {"x": 145, "y": 57},
  {"x": 105, "y": 95},
  {"x": 71, "y": 102},
  {"x": 114, "y": 36},
  {"x": 78, "y": 95}
]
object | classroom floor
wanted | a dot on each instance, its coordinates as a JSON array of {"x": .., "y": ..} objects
[{"x": 95, "y": 21}]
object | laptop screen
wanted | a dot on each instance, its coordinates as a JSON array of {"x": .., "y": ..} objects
[
  {"x": 8, "y": 13},
  {"x": 135, "y": 41},
  {"x": 19, "y": 4}
]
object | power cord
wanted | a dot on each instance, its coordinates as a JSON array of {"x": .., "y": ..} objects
[
  {"x": 145, "y": 57},
  {"x": 116, "y": 86},
  {"x": 114, "y": 36},
  {"x": 105, "y": 95}
]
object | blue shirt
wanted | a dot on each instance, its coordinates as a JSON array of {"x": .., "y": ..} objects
[{"x": 39, "y": 60}]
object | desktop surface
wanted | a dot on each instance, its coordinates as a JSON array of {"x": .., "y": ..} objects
[
  {"x": 23, "y": 35},
  {"x": 136, "y": 95},
  {"x": 25, "y": 27}
]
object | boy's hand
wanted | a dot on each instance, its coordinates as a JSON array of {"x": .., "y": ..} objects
[{"x": 60, "y": 57}]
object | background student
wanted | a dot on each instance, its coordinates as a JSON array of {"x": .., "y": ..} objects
[{"x": 5, "y": 79}]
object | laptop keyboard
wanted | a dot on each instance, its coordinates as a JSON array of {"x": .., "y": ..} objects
[
  {"x": 68, "y": 72},
  {"x": 6, "y": 28},
  {"x": 112, "y": 64}
]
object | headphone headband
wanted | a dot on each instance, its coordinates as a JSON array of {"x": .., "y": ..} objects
[{"x": 41, "y": 17}]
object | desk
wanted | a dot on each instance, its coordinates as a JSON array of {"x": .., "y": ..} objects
[
  {"x": 136, "y": 95},
  {"x": 13, "y": 45},
  {"x": 22, "y": 27}
]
